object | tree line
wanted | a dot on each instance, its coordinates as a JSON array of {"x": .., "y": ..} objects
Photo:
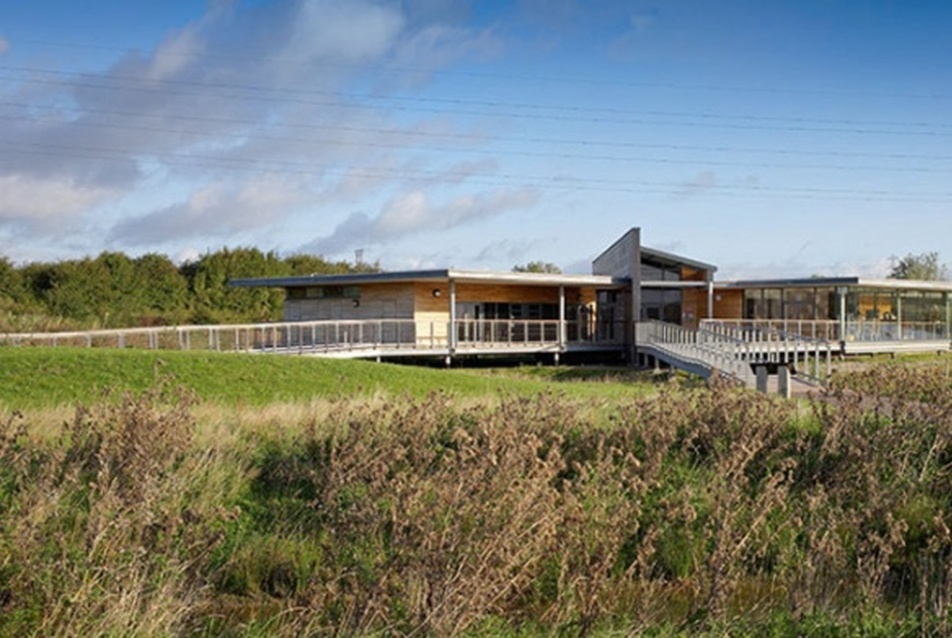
[{"x": 115, "y": 290}]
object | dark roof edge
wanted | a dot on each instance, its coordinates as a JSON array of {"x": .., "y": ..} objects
[
  {"x": 474, "y": 276},
  {"x": 906, "y": 284},
  {"x": 679, "y": 259},
  {"x": 330, "y": 280}
]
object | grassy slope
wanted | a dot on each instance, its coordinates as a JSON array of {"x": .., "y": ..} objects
[{"x": 40, "y": 377}]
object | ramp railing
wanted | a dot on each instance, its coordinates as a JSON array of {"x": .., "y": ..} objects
[{"x": 736, "y": 352}]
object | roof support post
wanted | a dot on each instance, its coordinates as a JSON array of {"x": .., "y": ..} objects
[
  {"x": 561, "y": 318},
  {"x": 948, "y": 315},
  {"x": 452, "y": 337},
  {"x": 841, "y": 296},
  {"x": 898, "y": 294},
  {"x": 710, "y": 295}
]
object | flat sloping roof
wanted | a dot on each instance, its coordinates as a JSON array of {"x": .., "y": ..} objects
[
  {"x": 410, "y": 276},
  {"x": 856, "y": 282},
  {"x": 676, "y": 259}
]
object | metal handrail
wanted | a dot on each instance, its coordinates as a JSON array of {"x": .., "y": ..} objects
[
  {"x": 734, "y": 351},
  {"x": 771, "y": 344},
  {"x": 861, "y": 330},
  {"x": 334, "y": 335},
  {"x": 707, "y": 349}
]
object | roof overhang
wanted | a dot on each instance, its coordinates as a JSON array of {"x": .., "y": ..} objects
[
  {"x": 673, "y": 259},
  {"x": 850, "y": 282},
  {"x": 674, "y": 284},
  {"x": 413, "y": 276}
]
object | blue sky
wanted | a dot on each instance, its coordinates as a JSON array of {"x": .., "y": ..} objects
[{"x": 778, "y": 138}]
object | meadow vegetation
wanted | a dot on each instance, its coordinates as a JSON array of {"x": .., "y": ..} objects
[{"x": 674, "y": 510}]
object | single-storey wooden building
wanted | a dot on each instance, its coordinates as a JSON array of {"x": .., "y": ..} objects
[{"x": 455, "y": 312}]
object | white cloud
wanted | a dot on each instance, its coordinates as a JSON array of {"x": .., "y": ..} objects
[
  {"x": 414, "y": 213},
  {"x": 699, "y": 184},
  {"x": 433, "y": 48},
  {"x": 345, "y": 32},
  {"x": 175, "y": 54},
  {"x": 28, "y": 199},
  {"x": 215, "y": 210},
  {"x": 506, "y": 250}
]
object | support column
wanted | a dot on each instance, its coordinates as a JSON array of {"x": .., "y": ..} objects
[
  {"x": 452, "y": 336},
  {"x": 710, "y": 296},
  {"x": 948, "y": 316},
  {"x": 841, "y": 295},
  {"x": 899, "y": 315},
  {"x": 761, "y": 372},
  {"x": 783, "y": 381},
  {"x": 561, "y": 320}
]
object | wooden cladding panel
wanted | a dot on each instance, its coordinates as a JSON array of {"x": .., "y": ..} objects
[
  {"x": 729, "y": 304},
  {"x": 693, "y": 306},
  {"x": 506, "y": 294},
  {"x": 693, "y": 274},
  {"x": 376, "y": 301},
  {"x": 425, "y": 303}
]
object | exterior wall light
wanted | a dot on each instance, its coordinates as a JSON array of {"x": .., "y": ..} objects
[
  {"x": 437, "y": 292},
  {"x": 356, "y": 303}
]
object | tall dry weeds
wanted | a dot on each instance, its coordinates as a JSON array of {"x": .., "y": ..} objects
[
  {"x": 98, "y": 534},
  {"x": 696, "y": 510}
]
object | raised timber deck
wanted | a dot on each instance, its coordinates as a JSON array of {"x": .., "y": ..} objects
[{"x": 894, "y": 347}]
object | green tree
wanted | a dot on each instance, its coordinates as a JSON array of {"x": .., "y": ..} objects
[
  {"x": 538, "y": 267},
  {"x": 12, "y": 291},
  {"x": 924, "y": 267},
  {"x": 164, "y": 290},
  {"x": 75, "y": 289},
  {"x": 214, "y": 301}
]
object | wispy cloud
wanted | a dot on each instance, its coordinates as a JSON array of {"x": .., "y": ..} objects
[
  {"x": 413, "y": 213},
  {"x": 21, "y": 202},
  {"x": 506, "y": 250},
  {"x": 641, "y": 21},
  {"x": 218, "y": 210},
  {"x": 699, "y": 184}
]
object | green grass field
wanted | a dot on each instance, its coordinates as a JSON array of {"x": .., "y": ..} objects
[{"x": 41, "y": 377}]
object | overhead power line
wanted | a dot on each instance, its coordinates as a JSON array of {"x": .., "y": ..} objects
[
  {"x": 419, "y": 105},
  {"x": 509, "y": 180},
  {"x": 572, "y": 80},
  {"x": 411, "y": 134},
  {"x": 242, "y": 136}
]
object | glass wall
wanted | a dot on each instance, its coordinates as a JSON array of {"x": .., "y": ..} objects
[
  {"x": 799, "y": 303},
  {"x": 656, "y": 271},
  {"x": 661, "y": 304},
  {"x": 871, "y": 314},
  {"x": 871, "y": 304},
  {"x": 923, "y": 306}
]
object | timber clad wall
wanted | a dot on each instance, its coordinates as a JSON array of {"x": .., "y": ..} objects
[
  {"x": 380, "y": 301},
  {"x": 692, "y": 274},
  {"x": 729, "y": 304},
  {"x": 506, "y": 294},
  {"x": 693, "y": 306},
  {"x": 432, "y": 314}
]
